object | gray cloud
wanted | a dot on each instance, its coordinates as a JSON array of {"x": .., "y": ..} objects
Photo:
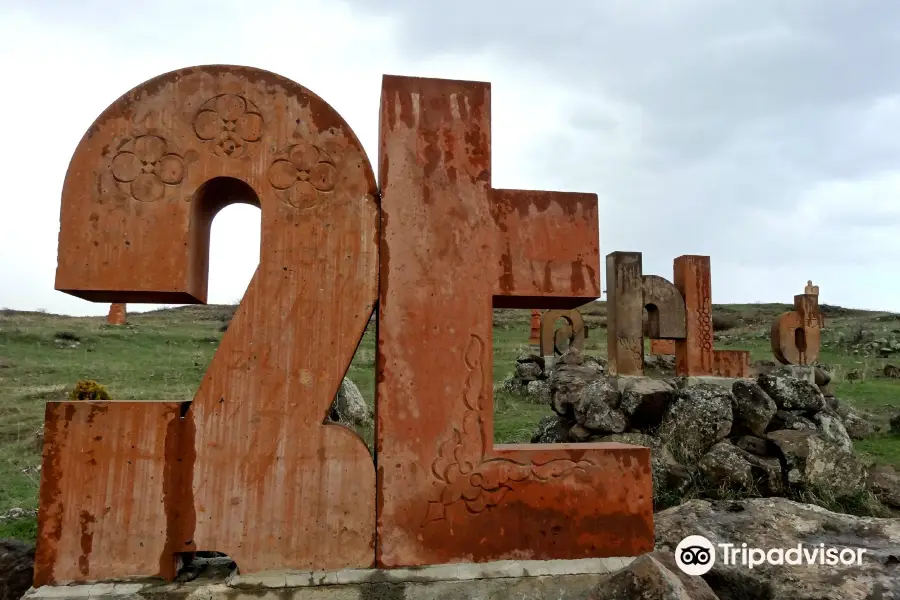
[
  {"x": 761, "y": 133},
  {"x": 740, "y": 108}
]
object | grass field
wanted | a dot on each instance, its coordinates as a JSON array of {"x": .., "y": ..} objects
[{"x": 162, "y": 355}]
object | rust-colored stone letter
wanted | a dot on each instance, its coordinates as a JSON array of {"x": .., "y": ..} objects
[{"x": 453, "y": 248}]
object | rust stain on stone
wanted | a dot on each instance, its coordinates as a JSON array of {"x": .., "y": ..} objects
[
  {"x": 177, "y": 490},
  {"x": 86, "y": 521},
  {"x": 445, "y": 493},
  {"x": 50, "y": 522}
]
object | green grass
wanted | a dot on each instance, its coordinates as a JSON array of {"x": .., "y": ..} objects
[{"x": 162, "y": 355}]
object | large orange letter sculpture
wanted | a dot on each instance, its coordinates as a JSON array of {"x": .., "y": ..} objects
[{"x": 248, "y": 467}]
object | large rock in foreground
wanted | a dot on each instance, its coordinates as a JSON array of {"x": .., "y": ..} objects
[
  {"x": 769, "y": 523},
  {"x": 349, "y": 407},
  {"x": 16, "y": 568},
  {"x": 653, "y": 576}
]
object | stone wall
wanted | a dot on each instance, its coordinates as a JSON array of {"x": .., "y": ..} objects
[{"x": 781, "y": 433}]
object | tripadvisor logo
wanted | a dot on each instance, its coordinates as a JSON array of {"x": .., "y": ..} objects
[{"x": 696, "y": 555}]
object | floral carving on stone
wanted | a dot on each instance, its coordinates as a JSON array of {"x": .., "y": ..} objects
[
  {"x": 145, "y": 165},
  {"x": 232, "y": 122},
  {"x": 303, "y": 174}
]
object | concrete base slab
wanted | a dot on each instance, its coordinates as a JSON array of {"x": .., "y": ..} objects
[{"x": 519, "y": 580}]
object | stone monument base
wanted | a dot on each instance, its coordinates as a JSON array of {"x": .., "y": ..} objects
[{"x": 519, "y": 580}]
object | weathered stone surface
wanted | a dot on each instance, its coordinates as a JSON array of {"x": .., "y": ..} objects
[
  {"x": 725, "y": 465},
  {"x": 624, "y": 313},
  {"x": 600, "y": 417},
  {"x": 894, "y": 424},
  {"x": 117, "y": 315},
  {"x": 828, "y": 390},
  {"x": 790, "y": 393},
  {"x": 857, "y": 427},
  {"x": 731, "y": 363},
  {"x": 538, "y": 391},
  {"x": 349, "y": 407},
  {"x": 633, "y": 437},
  {"x": 796, "y": 335},
  {"x": 500, "y": 580},
  {"x": 699, "y": 417},
  {"x": 791, "y": 419},
  {"x": 567, "y": 382},
  {"x": 529, "y": 371},
  {"x": 694, "y": 354},
  {"x": 779, "y": 523},
  {"x": 753, "y": 408},
  {"x": 160, "y": 162},
  {"x": 728, "y": 467},
  {"x": 552, "y": 430},
  {"x": 767, "y": 474},
  {"x": 645, "y": 400},
  {"x": 668, "y": 473},
  {"x": 591, "y": 400},
  {"x": 480, "y": 247},
  {"x": 16, "y": 568},
  {"x": 752, "y": 444},
  {"x": 646, "y": 578},
  {"x": 832, "y": 429},
  {"x": 572, "y": 332},
  {"x": 809, "y": 460},
  {"x": 822, "y": 376},
  {"x": 662, "y": 347},
  {"x": 661, "y": 363},
  {"x": 884, "y": 481}
]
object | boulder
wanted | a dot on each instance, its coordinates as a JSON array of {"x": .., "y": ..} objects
[
  {"x": 832, "y": 429},
  {"x": 579, "y": 434},
  {"x": 16, "y": 568},
  {"x": 894, "y": 424},
  {"x": 809, "y": 461},
  {"x": 551, "y": 430},
  {"x": 572, "y": 357},
  {"x": 752, "y": 444},
  {"x": 349, "y": 406},
  {"x": 884, "y": 481},
  {"x": 753, "y": 408},
  {"x": 699, "y": 417},
  {"x": 634, "y": 438},
  {"x": 773, "y": 523},
  {"x": 566, "y": 383},
  {"x": 725, "y": 466},
  {"x": 531, "y": 359},
  {"x": 661, "y": 363},
  {"x": 791, "y": 419},
  {"x": 538, "y": 391},
  {"x": 644, "y": 401},
  {"x": 857, "y": 427},
  {"x": 822, "y": 376},
  {"x": 648, "y": 578},
  {"x": 592, "y": 403},
  {"x": 790, "y": 393},
  {"x": 600, "y": 417},
  {"x": 528, "y": 371},
  {"x": 828, "y": 390},
  {"x": 728, "y": 467}
]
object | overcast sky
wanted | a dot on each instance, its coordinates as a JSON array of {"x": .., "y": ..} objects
[{"x": 764, "y": 133}]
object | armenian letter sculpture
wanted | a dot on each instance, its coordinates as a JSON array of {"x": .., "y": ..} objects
[
  {"x": 679, "y": 311},
  {"x": 796, "y": 335},
  {"x": 249, "y": 467}
]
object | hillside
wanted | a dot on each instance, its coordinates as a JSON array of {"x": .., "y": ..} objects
[{"x": 162, "y": 355}]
